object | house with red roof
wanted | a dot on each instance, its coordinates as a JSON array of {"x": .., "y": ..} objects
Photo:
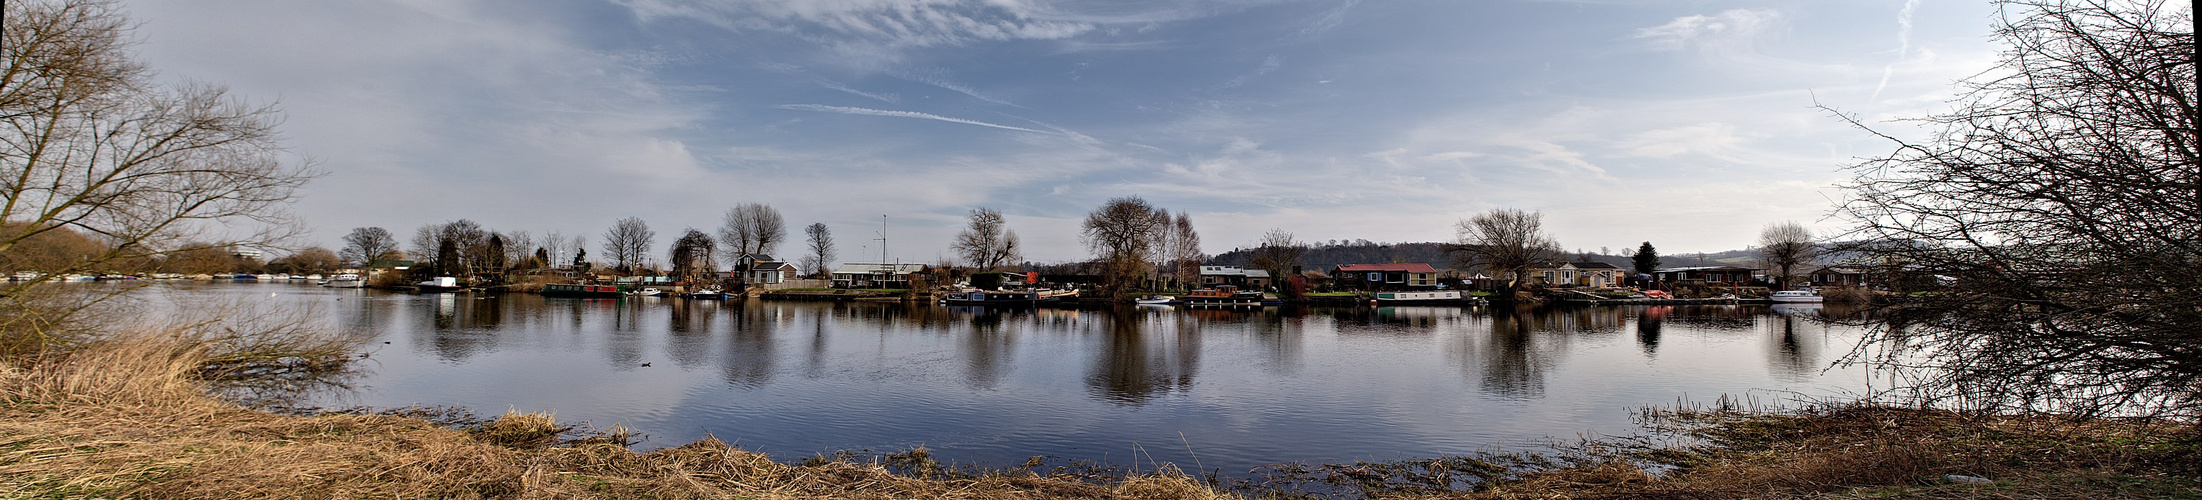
[{"x": 1383, "y": 276}]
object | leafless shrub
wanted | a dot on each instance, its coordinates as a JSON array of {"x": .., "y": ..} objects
[{"x": 2047, "y": 239}]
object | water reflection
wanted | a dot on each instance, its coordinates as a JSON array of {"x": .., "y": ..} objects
[
  {"x": 1648, "y": 322},
  {"x": 1144, "y": 358},
  {"x": 1286, "y": 383},
  {"x": 1512, "y": 361},
  {"x": 749, "y": 354}
]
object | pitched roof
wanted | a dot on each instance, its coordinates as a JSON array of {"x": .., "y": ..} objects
[
  {"x": 1595, "y": 265},
  {"x": 1413, "y": 267}
]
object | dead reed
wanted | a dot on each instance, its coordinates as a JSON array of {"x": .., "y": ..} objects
[{"x": 130, "y": 418}]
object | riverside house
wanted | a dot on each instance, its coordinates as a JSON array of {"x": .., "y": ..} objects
[
  {"x": 875, "y": 275},
  {"x": 1255, "y": 279},
  {"x": 1839, "y": 276},
  {"x": 1593, "y": 274},
  {"x": 1383, "y": 276},
  {"x": 1707, "y": 275}
]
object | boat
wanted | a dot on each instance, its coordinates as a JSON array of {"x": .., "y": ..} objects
[
  {"x": 346, "y": 280},
  {"x": 440, "y": 284},
  {"x": 579, "y": 290},
  {"x": 264, "y": 277},
  {"x": 707, "y": 294},
  {"x": 1795, "y": 296},
  {"x": 1429, "y": 297},
  {"x": 1155, "y": 300},
  {"x": 648, "y": 292},
  {"x": 1056, "y": 295},
  {"x": 992, "y": 298},
  {"x": 1222, "y": 296}
]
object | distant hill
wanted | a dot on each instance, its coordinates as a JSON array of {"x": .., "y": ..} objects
[{"x": 1327, "y": 255}]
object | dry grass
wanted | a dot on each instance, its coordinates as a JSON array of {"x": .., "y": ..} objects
[
  {"x": 1856, "y": 451},
  {"x": 128, "y": 419}
]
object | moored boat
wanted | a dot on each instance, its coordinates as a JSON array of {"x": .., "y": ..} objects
[
  {"x": 440, "y": 284},
  {"x": 579, "y": 290},
  {"x": 1155, "y": 300},
  {"x": 1795, "y": 296},
  {"x": 706, "y": 294},
  {"x": 346, "y": 280},
  {"x": 1428, "y": 297},
  {"x": 992, "y": 298},
  {"x": 1222, "y": 296}
]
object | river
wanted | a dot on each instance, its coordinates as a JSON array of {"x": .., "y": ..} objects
[{"x": 1228, "y": 390}]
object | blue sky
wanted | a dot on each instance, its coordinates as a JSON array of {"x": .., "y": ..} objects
[{"x": 1690, "y": 124}]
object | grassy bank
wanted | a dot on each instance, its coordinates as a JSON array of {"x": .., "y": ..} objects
[{"x": 130, "y": 418}]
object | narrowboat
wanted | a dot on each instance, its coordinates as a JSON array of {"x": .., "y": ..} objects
[{"x": 579, "y": 290}]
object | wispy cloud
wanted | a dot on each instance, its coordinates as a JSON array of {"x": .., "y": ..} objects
[
  {"x": 925, "y": 23},
  {"x": 1330, "y": 19},
  {"x": 890, "y": 98},
  {"x": 939, "y": 78},
  {"x": 846, "y": 110},
  {"x": 1725, "y": 30}
]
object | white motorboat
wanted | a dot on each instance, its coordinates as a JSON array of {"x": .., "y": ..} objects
[
  {"x": 1795, "y": 296},
  {"x": 346, "y": 280}
]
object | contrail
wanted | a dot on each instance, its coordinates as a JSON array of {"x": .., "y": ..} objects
[
  {"x": 903, "y": 114},
  {"x": 1903, "y": 45}
]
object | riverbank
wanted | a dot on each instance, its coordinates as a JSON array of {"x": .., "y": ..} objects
[{"x": 132, "y": 419}]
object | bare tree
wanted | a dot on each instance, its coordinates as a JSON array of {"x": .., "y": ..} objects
[
  {"x": 456, "y": 248},
  {"x": 1121, "y": 235},
  {"x": 1185, "y": 245},
  {"x": 629, "y": 242},
  {"x": 1784, "y": 246},
  {"x": 1505, "y": 242},
  {"x": 519, "y": 249},
  {"x": 692, "y": 257},
  {"x": 2056, "y": 217},
  {"x": 987, "y": 243},
  {"x": 364, "y": 245},
  {"x": 752, "y": 229},
  {"x": 92, "y": 144},
  {"x": 820, "y": 243},
  {"x": 1277, "y": 254},
  {"x": 308, "y": 260}
]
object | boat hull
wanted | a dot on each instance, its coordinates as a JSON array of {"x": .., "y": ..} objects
[
  {"x": 580, "y": 291},
  {"x": 993, "y": 299}
]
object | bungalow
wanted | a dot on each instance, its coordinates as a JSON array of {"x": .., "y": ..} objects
[
  {"x": 1839, "y": 276},
  {"x": 1708, "y": 275},
  {"x": 1384, "y": 276},
  {"x": 765, "y": 272},
  {"x": 875, "y": 275},
  {"x": 1593, "y": 274},
  {"x": 1234, "y": 276}
]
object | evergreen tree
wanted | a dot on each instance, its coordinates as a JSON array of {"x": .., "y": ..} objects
[{"x": 1646, "y": 259}]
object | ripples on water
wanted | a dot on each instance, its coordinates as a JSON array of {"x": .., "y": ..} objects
[{"x": 1242, "y": 388}]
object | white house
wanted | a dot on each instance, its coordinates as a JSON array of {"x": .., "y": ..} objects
[{"x": 875, "y": 275}]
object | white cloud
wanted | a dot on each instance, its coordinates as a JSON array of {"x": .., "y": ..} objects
[
  {"x": 1699, "y": 138},
  {"x": 890, "y": 23},
  {"x": 1726, "y": 29}
]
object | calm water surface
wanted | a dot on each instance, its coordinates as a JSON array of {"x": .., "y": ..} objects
[{"x": 1241, "y": 389}]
